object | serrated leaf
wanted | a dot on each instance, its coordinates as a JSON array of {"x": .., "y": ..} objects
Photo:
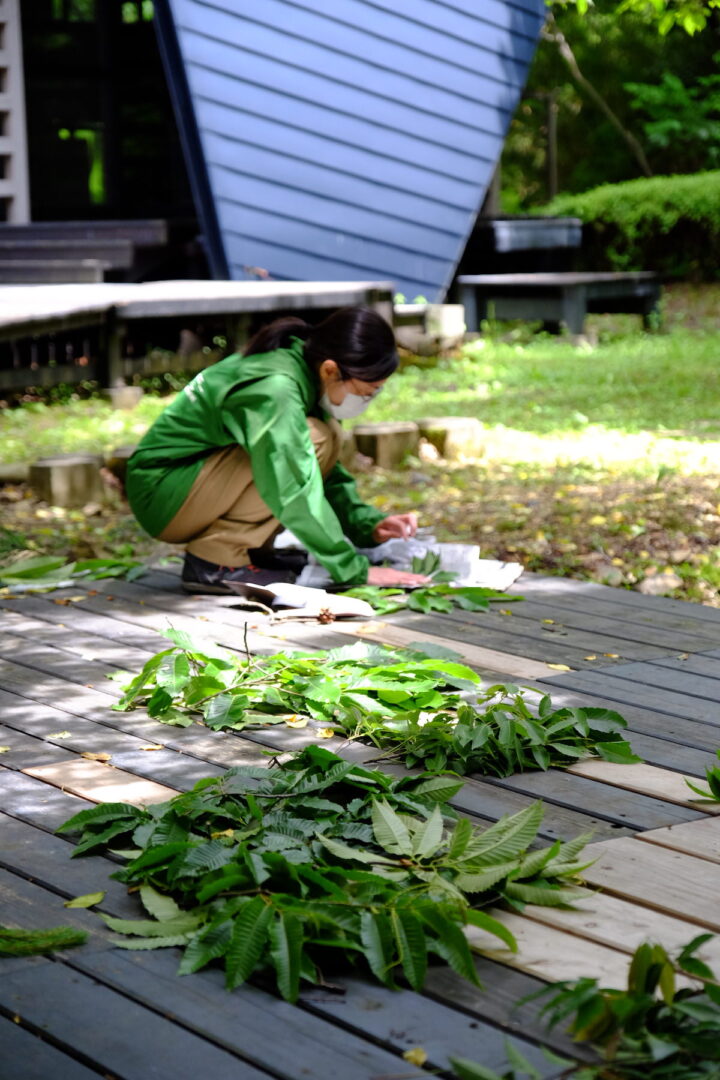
[
  {"x": 377, "y": 939},
  {"x": 428, "y": 836},
  {"x": 390, "y": 831},
  {"x": 460, "y": 838},
  {"x": 486, "y": 922},
  {"x": 161, "y": 906},
  {"x": 137, "y": 944},
  {"x": 183, "y": 924},
  {"x": 471, "y": 1070},
  {"x": 286, "y": 942},
  {"x": 412, "y": 949},
  {"x": 208, "y": 944},
  {"x": 249, "y": 936}
]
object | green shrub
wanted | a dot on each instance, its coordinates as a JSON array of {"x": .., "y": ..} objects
[{"x": 670, "y": 224}]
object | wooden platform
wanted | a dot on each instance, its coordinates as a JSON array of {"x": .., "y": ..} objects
[
  {"x": 565, "y": 296},
  {"x": 98, "y": 1011}
]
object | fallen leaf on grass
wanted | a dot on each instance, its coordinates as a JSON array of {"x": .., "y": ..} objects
[
  {"x": 559, "y": 667},
  {"x": 85, "y": 901},
  {"x": 95, "y": 757}
]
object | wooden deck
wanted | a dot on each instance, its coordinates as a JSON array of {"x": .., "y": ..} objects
[{"x": 99, "y": 1011}]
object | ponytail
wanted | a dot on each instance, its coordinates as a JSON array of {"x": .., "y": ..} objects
[{"x": 277, "y": 335}]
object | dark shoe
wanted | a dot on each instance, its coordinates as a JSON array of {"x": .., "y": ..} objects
[
  {"x": 201, "y": 576},
  {"x": 270, "y": 558}
]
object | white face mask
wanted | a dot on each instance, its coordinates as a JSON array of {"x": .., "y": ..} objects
[{"x": 351, "y": 405}]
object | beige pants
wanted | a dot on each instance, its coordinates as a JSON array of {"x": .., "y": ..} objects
[{"x": 224, "y": 515}]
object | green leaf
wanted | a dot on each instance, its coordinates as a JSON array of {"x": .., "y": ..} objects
[
  {"x": 428, "y": 836},
  {"x": 86, "y": 901},
  {"x": 183, "y": 924},
  {"x": 286, "y": 942},
  {"x": 390, "y": 831},
  {"x": 159, "y": 905},
  {"x": 471, "y": 1070},
  {"x": 208, "y": 944},
  {"x": 377, "y": 940},
  {"x": 410, "y": 938},
  {"x": 173, "y": 673},
  {"x": 450, "y": 943},
  {"x": 39, "y": 942},
  {"x": 486, "y": 922},
  {"x": 249, "y": 936},
  {"x": 138, "y": 944},
  {"x": 460, "y": 838}
]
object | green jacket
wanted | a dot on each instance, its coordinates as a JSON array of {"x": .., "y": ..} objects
[{"x": 259, "y": 403}]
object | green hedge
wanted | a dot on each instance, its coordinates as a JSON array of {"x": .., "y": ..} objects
[{"x": 670, "y": 224}]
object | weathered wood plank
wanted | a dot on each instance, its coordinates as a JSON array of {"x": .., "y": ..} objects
[
  {"x": 44, "y": 609},
  {"x": 387, "y": 633},
  {"x": 612, "y": 804},
  {"x": 59, "y": 1001},
  {"x": 101, "y": 783},
  {"x": 53, "y": 661},
  {"x": 539, "y": 636},
  {"x": 692, "y": 684},
  {"x": 27, "y": 905},
  {"x": 629, "y": 693},
  {"x": 621, "y": 924},
  {"x": 692, "y": 664},
  {"x": 587, "y": 594},
  {"x": 658, "y": 878},
  {"x": 26, "y": 1057},
  {"x": 404, "y": 1020},
  {"x": 699, "y": 838},
  {"x": 20, "y": 751},
  {"x": 35, "y": 854},
  {"x": 645, "y": 779},
  {"x": 71, "y": 639},
  {"x": 287, "y": 1040},
  {"x": 551, "y": 954}
]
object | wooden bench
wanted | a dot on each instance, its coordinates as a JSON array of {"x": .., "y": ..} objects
[{"x": 558, "y": 297}]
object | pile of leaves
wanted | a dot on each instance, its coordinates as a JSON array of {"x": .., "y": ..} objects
[
  {"x": 45, "y": 572},
  {"x": 426, "y": 710},
  {"x": 287, "y": 871}
]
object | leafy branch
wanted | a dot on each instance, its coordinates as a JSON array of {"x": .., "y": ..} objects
[
  {"x": 712, "y": 792},
  {"x": 287, "y": 870},
  {"x": 652, "y": 1030},
  {"x": 45, "y": 572},
  {"x": 428, "y": 711}
]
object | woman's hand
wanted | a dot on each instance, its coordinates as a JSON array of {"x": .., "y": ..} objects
[
  {"x": 398, "y": 526},
  {"x": 386, "y": 577}
]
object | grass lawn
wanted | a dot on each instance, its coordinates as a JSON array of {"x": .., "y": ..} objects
[{"x": 599, "y": 462}]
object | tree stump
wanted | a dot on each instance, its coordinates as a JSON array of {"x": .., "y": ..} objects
[
  {"x": 387, "y": 443},
  {"x": 68, "y": 479},
  {"x": 453, "y": 436}
]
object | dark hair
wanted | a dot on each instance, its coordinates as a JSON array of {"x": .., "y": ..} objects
[{"x": 359, "y": 340}]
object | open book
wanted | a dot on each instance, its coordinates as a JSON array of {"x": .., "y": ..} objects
[{"x": 285, "y": 601}]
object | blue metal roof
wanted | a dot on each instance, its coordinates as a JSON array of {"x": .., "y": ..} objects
[{"x": 342, "y": 139}]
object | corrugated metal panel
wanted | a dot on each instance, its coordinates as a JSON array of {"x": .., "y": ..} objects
[{"x": 343, "y": 139}]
